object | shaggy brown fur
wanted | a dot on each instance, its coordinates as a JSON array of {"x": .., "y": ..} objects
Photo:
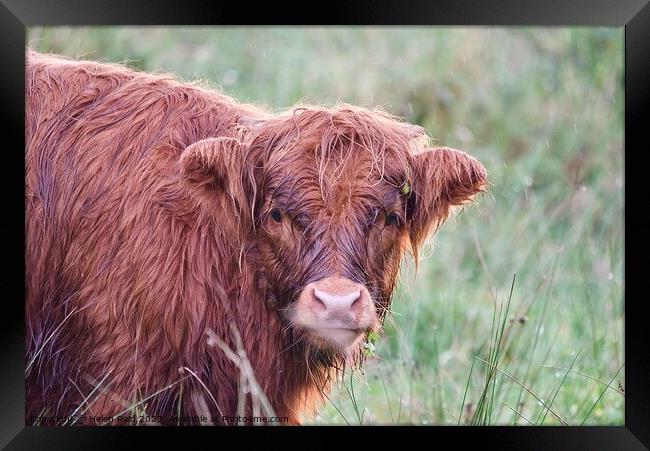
[{"x": 170, "y": 231}]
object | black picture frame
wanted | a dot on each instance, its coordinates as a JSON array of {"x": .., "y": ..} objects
[{"x": 634, "y": 15}]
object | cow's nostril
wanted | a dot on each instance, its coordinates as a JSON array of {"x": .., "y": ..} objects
[
  {"x": 337, "y": 301},
  {"x": 318, "y": 299}
]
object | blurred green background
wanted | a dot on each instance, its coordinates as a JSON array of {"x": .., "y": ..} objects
[{"x": 542, "y": 108}]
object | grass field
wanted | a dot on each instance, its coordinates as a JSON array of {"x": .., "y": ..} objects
[{"x": 515, "y": 315}]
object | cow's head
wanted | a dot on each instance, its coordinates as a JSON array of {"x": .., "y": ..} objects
[{"x": 332, "y": 198}]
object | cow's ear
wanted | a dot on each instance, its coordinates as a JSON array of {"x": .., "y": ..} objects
[
  {"x": 214, "y": 171},
  {"x": 442, "y": 178}
]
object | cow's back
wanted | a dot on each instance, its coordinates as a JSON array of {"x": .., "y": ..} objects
[
  {"x": 110, "y": 232},
  {"x": 96, "y": 147}
]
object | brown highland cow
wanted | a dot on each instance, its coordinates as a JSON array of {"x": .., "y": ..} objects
[{"x": 188, "y": 255}]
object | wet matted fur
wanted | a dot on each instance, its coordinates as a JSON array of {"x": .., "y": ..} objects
[{"x": 170, "y": 229}]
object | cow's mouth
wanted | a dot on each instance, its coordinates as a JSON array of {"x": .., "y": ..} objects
[{"x": 338, "y": 338}]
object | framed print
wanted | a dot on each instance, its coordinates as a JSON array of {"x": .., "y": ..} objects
[{"x": 381, "y": 216}]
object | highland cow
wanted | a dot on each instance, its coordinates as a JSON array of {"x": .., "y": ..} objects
[{"x": 189, "y": 255}]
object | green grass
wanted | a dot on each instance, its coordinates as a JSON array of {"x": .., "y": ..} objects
[{"x": 543, "y": 110}]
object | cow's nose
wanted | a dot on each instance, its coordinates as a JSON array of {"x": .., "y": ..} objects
[
  {"x": 335, "y": 311},
  {"x": 333, "y": 302},
  {"x": 338, "y": 300}
]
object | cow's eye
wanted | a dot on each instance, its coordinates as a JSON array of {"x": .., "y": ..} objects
[
  {"x": 276, "y": 215},
  {"x": 392, "y": 220}
]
